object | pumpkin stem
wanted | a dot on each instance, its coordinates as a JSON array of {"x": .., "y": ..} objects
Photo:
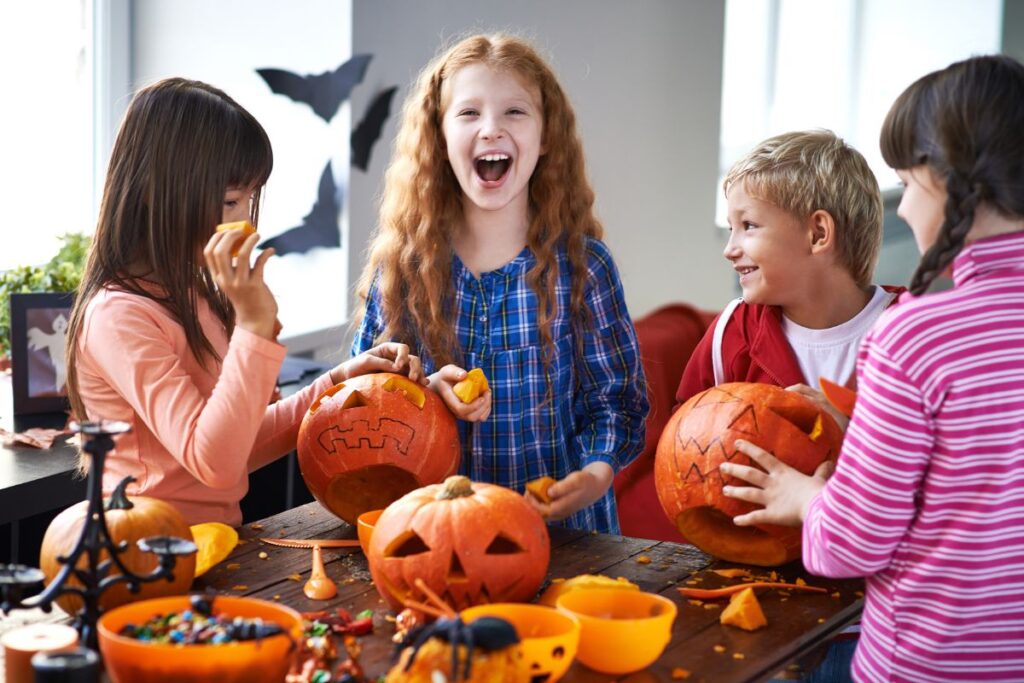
[
  {"x": 457, "y": 486},
  {"x": 119, "y": 499}
]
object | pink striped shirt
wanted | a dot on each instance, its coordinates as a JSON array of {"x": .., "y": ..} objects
[
  {"x": 197, "y": 432},
  {"x": 927, "y": 500}
]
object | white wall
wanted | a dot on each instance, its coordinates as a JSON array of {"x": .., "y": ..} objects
[{"x": 645, "y": 80}]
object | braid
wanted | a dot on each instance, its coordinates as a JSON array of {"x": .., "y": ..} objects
[{"x": 962, "y": 199}]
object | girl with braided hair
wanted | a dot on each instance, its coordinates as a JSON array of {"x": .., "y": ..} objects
[{"x": 926, "y": 500}]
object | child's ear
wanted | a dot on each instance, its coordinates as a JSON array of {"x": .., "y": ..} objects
[{"x": 822, "y": 231}]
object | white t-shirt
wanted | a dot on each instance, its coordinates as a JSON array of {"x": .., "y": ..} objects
[{"x": 832, "y": 353}]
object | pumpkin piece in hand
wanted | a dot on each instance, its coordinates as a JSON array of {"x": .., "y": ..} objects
[
  {"x": 470, "y": 389},
  {"x": 744, "y": 611},
  {"x": 244, "y": 226},
  {"x": 539, "y": 488}
]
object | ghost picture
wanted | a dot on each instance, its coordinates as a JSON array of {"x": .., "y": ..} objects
[{"x": 45, "y": 334}]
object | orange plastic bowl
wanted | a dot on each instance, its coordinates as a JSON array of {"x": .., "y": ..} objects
[
  {"x": 128, "y": 660},
  {"x": 620, "y": 631},
  {"x": 364, "y": 526},
  {"x": 549, "y": 637}
]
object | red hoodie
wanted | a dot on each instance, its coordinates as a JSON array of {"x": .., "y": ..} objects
[{"x": 754, "y": 349}]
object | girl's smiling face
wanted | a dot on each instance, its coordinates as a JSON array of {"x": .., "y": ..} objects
[
  {"x": 923, "y": 204},
  {"x": 493, "y": 128}
]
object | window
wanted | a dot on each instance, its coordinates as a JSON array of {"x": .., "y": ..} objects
[
  {"x": 798, "y": 64},
  {"x": 47, "y": 136}
]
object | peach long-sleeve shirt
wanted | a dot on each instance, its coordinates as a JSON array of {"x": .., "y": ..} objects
[{"x": 197, "y": 431}]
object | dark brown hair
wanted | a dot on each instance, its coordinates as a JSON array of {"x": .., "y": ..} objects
[
  {"x": 181, "y": 145},
  {"x": 966, "y": 123}
]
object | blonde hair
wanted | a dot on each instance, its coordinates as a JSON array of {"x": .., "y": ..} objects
[
  {"x": 410, "y": 253},
  {"x": 806, "y": 171}
]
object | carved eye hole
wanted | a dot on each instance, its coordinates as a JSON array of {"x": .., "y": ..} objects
[
  {"x": 558, "y": 652},
  {"x": 406, "y": 388},
  {"x": 503, "y": 545},
  {"x": 354, "y": 400},
  {"x": 406, "y": 545},
  {"x": 804, "y": 419}
]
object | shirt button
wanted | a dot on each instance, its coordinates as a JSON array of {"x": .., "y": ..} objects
[{"x": 483, "y": 318}]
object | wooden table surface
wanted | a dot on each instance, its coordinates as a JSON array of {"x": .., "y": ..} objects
[{"x": 797, "y": 623}]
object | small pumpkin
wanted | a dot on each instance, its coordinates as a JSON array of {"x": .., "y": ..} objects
[
  {"x": 367, "y": 442},
  {"x": 128, "y": 519},
  {"x": 744, "y": 611},
  {"x": 701, "y": 435},
  {"x": 470, "y": 543}
]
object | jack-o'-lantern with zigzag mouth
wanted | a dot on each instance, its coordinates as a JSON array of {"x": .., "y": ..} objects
[
  {"x": 701, "y": 435},
  {"x": 368, "y": 441}
]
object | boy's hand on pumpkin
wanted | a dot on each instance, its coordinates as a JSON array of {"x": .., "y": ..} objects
[
  {"x": 254, "y": 303},
  {"x": 818, "y": 398},
  {"x": 386, "y": 357},
  {"x": 443, "y": 383},
  {"x": 784, "y": 491},
  {"x": 577, "y": 491}
]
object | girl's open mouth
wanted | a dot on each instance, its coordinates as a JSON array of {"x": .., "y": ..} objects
[{"x": 491, "y": 168}]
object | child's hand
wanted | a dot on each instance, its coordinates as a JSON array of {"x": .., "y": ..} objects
[
  {"x": 784, "y": 492},
  {"x": 578, "y": 490},
  {"x": 254, "y": 303},
  {"x": 443, "y": 382},
  {"x": 386, "y": 357},
  {"x": 819, "y": 400}
]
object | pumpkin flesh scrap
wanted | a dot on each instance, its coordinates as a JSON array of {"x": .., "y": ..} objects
[{"x": 744, "y": 611}]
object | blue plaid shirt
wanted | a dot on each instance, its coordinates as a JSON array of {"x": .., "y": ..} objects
[{"x": 598, "y": 401}]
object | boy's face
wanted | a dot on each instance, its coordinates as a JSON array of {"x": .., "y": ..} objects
[
  {"x": 492, "y": 127},
  {"x": 766, "y": 247}
]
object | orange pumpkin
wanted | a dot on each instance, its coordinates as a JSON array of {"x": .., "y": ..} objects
[
  {"x": 128, "y": 519},
  {"x": 700, "y": 436},
  {"x": 471, "y": 543},
  {"x": 370, "y": 440}
]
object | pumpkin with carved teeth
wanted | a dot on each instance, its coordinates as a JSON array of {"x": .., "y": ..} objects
[
  {"x": 701, "y": 435},
  {"x": 470, "y": 543},
  {"x": 368, "y": 441}
]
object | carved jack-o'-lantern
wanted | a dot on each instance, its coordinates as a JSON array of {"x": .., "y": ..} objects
[
  {"x": 370, "y": 440},
  {"x": 700, "y": 436},
  {"x": 469, "y": 542}
]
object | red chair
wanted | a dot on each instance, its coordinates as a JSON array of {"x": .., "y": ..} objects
[{"x": 667, "y": 338}]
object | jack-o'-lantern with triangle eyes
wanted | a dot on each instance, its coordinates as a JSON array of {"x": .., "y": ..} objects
[
  {"x": 701, "y": 435},
  {"x": 368, "y": 441},
  {"x": 471, "y": 543}
]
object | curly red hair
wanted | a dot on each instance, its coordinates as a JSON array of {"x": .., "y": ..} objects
[{"x": 410, "y": 253}]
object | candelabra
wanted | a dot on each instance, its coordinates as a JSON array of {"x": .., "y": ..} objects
[{"x": 102, "y": 554}]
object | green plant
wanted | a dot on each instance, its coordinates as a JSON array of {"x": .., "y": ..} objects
[{"x": 61, "y": 274}]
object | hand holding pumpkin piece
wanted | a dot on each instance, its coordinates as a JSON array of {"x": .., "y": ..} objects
[
  {"x": 244, "y": 229},
  {"x": 575, "y": 492},
  {"x": 244, "y": 286},
  {"x": 784, "y": 491},
  {"x": 538, "y": 488},
  {"x": 470, "y": 388},
  {"x": 824, "y": 402},
  {"x": 444, "y": 381}
]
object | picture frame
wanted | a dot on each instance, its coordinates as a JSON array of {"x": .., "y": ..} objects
[{"x": 39, "y": 322}]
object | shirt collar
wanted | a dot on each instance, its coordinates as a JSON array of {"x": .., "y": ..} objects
[
  {"x": 520, "y": 263},
  {"x": 987, "y": 255}
]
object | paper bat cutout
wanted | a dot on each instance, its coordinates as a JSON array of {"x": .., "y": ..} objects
[
  {"x": 323, "y": 92},
  {"x": 319, "y": 227},
  {"x": 368, "y": 130}
]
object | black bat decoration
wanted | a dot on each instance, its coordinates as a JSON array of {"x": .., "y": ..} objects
[
  {"x": 323, "y": 92},
  {"x": 368, "y": 130},
  {"x": 319, "y": 227}
]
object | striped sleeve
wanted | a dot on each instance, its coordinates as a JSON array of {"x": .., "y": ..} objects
[{"x": 855, "y": 525}]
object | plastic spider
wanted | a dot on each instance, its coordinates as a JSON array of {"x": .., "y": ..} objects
[{"x": 486, "y": 633}]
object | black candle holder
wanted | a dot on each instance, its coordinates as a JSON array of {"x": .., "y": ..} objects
[{"x": 95, "y": 577}]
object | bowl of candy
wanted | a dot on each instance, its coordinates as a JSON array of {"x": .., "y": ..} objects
[{"x": 194, "y": 638}]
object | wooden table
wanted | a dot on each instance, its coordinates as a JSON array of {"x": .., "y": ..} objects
[{"x": 797, "y": 623}]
